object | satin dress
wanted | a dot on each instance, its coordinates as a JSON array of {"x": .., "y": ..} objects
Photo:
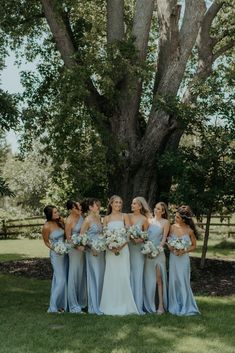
[
  {"x": 155, "y": 234},
  {"x": 137, "y": 260},
  {"x": 181, "y": 299},
  {"x": 95, "y": 272},
  {"x": 58, "y": 299},
  {"x": 77, "y": 291}
]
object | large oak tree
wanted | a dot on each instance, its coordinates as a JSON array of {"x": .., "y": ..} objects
[{"x": 105, "y": 71}]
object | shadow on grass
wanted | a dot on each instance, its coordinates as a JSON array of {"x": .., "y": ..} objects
[
  {"x": 225, "y": 244},
  {"x": 12, "y": 257},
  {"x": 23, "y": 308},
  {"x": 224, "y": 249}
]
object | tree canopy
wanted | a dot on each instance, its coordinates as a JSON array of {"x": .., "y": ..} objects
[{"x": 118, "y": 83}]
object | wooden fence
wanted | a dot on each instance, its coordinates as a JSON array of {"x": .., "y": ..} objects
[
  {"x": 219, "y": 225},
  {"x": 15, "y": 227}
]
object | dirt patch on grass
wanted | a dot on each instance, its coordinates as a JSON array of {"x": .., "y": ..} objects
[{"x": 217, "y": 278}]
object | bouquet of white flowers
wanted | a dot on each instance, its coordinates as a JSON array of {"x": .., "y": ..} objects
[
  {"x": 134, "y": 232},
  {"x": 179, "y": 243},
  {"x": 151, "y": 250},
  {"x": 115, "y": 238},
  {"x": 60, "y": 247},
  {"x": 98, "y": 245},
  {"x": 79, "y": 240}
]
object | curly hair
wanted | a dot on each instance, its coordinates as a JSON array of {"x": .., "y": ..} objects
[{"x": 186, "y": 214}]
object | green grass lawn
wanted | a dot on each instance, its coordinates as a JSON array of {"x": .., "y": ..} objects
[
  {"x": 25, "y": 327},
  {"x": 17, "y": 249},
  {"x": 218, "y": 249}
]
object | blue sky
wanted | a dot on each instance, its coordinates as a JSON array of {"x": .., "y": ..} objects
[{"x": 10, "y": 81}]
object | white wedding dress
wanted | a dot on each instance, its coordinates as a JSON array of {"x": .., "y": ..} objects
[{"x": 117, "y": 297}]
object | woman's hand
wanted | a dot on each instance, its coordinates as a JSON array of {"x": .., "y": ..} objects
[
  {"x": 162, "y": 244},
  {"x": 179, "y": 252},
  {"x": 115, "y": 250},
  {"x": 80, "y": 248},
  {"x": 138, "y": 241},
  {"x": 94, "y": 252}
]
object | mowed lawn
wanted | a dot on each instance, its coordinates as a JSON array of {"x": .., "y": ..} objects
[
  {"x": 16, "y": 249},
  {"x": 25, "y": 327}
]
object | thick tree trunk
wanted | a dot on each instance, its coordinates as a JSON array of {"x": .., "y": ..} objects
[
  {"x": 138, "y": 175},
  {"x": 206, "y": 238}
]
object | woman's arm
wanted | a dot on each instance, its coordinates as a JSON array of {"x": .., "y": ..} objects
[
  {"x": 193, "y": 245},
  {"x": 193, "y": 241},
  {"x": 45, "y": 235},
  {"x": 171, "y": 231},
  {"x": 105, "y": 221},
  {"x": 68, "y": 229},
  {"x": 144, "y": 228},
  {"x": 166, "y": 229},
  {"x": 146, "y": 225},
  {"x": 85, "y": 226},
  {"x": 127, "y": 220}
]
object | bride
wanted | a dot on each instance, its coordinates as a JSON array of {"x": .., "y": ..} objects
[{"x": 117, "y": 297}]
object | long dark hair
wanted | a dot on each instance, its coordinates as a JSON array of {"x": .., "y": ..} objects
[
  {"x": 85, "y": 204},
  {"x": 70, "y": 204},
  {"x": 48, "y": 211},
  {"x": 109, "y": 207},
  {"x": 186, "y": 214}
]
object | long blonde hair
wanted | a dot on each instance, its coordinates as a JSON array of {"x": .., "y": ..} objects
[
  {"x": 145, "y": 209},
  {"x": 112, "y": 198},
  {"x": 165, "y": 209}
]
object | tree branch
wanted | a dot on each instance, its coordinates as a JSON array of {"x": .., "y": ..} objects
[
  {"x": 175, "y": 46},
  {"x": 115, "y": 20},
  {"x": 193, "y": 17},
  {"x": 60, "y": 28},
  {"x": 168, "y": 13},
  {"x": 60, "y": 33},
  {"x": 205, "y": 44},
  {"x": 223, "y": 49},
  {"x": 141, "y": 26}
]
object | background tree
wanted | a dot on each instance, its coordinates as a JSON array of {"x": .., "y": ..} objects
[
  {"x": 204, "y": 175},
  {"x": 97, "y": 69},
  {"x": 29, "y": 178}
]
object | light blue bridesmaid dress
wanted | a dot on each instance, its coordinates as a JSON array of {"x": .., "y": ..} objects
[
  {"x": 77, "y": 295},
  {"x": 181, "y": 299},
  {"x": 58, "y": 298},
  {"x": 155, "y": 234},
  {"x": 137, "y": 260},
  {"x": 95, "y": 272}
]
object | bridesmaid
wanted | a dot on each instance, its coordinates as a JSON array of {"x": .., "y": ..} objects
[
  {"x": 155, "y": 269},
  {"x": 76, "y": 275},
  {"x": 117, "y": 297},
  {"x": 95, "y": 262},
  {"x": 139, "y": 219},
  {"x": 181, "y": 300},
  {"x": 53, "y": 231}
]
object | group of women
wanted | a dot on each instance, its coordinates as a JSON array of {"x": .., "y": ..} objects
[{"x": 130, "y": 283}]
